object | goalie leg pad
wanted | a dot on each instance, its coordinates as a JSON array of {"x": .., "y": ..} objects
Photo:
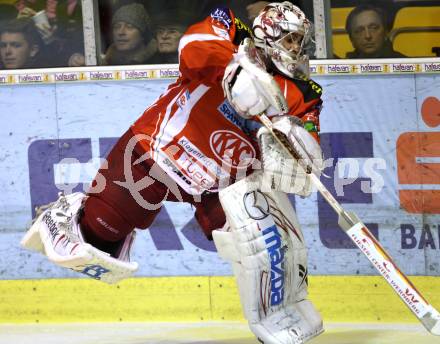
[
  {"x": 56, "y": 233},
  {"x": 269, "y": 259},
  {"x": 224, "y": 241},
  {"x": 302, "y": 320},
  {"x": 313, "y": 321}
]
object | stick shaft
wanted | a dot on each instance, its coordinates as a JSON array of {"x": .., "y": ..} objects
[{"x": 368, "y": 244}]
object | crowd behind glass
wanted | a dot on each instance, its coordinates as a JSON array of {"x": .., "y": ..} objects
[{"x": 49, "y": 33}]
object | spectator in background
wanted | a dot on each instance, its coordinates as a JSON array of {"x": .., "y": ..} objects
[
  {"x": 169, "y": 27},
  {"x": 132, "y": 42},
  {"x": 62, "y": 34},
  {"x": 20, "y": 45},
  {"x": 368, "y": 31}
]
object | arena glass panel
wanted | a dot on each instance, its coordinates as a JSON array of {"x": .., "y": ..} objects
[{"x": 156, "y": 27}]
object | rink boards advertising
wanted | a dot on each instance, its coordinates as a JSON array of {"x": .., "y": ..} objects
[{"x": 380, "y": 135}]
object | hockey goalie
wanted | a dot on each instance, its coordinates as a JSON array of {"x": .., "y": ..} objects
[{"x": 202, "y": 143}]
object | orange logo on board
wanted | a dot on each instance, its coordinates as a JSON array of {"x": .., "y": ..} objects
[{"x": 418, "y": 164}]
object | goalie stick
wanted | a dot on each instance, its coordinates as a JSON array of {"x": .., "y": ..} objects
[{"x": 367, "y": 243}]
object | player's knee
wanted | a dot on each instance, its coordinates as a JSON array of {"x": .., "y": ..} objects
[
  {"x": 103, "y": 221},
  {"x": 210, "y": 216}
]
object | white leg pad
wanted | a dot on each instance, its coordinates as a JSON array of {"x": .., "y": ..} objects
[
  {"x": 295, "y": 324},
  {"x": 225, "y": 243},
  {"x": 266, "y": 247},
  {"x": 56, "y": 233}
]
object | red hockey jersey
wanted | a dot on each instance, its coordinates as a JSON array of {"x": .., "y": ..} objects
[{"x": 193, "y": 132}]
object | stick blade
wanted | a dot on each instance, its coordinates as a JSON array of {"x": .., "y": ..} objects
[
  {"x": 436, "y": 329},
  {"x": 432, "y": 322}
]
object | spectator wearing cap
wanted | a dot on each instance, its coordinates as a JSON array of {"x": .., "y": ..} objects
[
  {"x": 132, "y": 43},
  {"x": 169, "y": 28},
  {"x": 20, "y": 45}
]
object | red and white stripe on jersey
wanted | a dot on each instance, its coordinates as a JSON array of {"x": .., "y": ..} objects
[{"x": 176, "y": 117}]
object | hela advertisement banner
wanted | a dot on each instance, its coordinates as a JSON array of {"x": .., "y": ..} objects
[{"x": 380, "y": 137}]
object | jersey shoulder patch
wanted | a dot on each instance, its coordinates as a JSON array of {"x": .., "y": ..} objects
[{"x": 221, "y": 17}]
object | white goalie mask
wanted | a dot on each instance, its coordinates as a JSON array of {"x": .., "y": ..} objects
[{"x": 276, "y": 26}]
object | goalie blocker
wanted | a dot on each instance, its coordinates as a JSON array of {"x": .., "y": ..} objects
[{"x": 263, "y": 241}]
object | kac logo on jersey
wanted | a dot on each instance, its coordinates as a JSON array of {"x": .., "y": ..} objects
[{"x": 235, "y": 151}]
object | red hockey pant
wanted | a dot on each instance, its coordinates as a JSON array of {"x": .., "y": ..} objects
[{"x": 112, "y": 213}]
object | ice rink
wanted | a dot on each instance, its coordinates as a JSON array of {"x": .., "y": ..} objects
[{"x": 207, "y": 332}]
